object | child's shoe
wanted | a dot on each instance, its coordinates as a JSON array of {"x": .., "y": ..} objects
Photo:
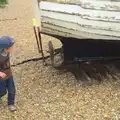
[{"x": 12, "y": 108}]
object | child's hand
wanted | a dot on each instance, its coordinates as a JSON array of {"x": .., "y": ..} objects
[{"x": 2, "y": 75}]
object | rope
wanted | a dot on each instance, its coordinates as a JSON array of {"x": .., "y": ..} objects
[{"x": 29, "y": 60}]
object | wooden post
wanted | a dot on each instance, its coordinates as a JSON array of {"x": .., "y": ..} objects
[
  {"x": 38, "y": 26},
  {"x": 39, "y": 50},
  {"x": 40, "y": 43},
  {"x": 36, "y": 22},
  {"x": 40, "y": 39}
]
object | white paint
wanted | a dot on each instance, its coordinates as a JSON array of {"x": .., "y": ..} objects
[
  {"x": 77, "y": 19},
  {"x": 118, "y": 17},
  {"x": 80, "y": 36},
  {"x": 76, "y": 27},
  {"x": 83, "y": 30},
  {"x": 98, "y": 4},
  {"x": 67, "y": 17},
  {"x": 74, "y": 9},
  {"x": 37, "y": 13}
]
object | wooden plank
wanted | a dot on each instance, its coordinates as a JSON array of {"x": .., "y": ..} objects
[
  {"x": 76, "y": 27},
  {"x": 81, "y": 25},
  {"x": 59, "y": 33},
  {"x": 83, "y": 13},
  {"x": 77, "y": 32},
  {"x": 103, "y": 28},
  {"x": 92, "y": 4},
  {"x": 98, "y": 4},
  {"x": 80, "y": 21},
  {"x": 80, "y": 35}
]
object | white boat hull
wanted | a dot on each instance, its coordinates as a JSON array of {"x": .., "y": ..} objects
[{"x": 81, "y": 19}]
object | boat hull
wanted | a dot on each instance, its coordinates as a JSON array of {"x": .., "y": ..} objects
[{"x": 87, "y": 19}]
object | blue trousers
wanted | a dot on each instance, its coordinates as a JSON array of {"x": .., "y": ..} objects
[{"x": 8, "y": 86}]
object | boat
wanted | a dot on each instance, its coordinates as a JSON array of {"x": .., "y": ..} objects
[
  {"x": 88, "y": 29},
  {"x": 95, "y": 19}
]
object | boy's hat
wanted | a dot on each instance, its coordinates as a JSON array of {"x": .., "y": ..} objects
[{"x": 6, "y": 41}]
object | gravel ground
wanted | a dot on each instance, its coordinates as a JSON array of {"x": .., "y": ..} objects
[{"x": 44, "y": 93}]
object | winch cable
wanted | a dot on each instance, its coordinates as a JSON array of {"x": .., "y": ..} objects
[{"x": 34, "y": 59}]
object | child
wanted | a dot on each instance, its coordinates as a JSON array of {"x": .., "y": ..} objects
[{"x": 6, "y": 77}]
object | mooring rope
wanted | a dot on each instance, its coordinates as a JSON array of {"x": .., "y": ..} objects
[
  {"x": 29, "y": 60},
  {"x": 33, "y": 60}
]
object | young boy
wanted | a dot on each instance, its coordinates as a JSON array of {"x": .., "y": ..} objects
[{"x": 6, "y": 77}]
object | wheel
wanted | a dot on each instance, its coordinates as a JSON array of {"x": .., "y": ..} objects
[
  {"x": 51, "y": 51},
  {"x": 56, "y": 55}
]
